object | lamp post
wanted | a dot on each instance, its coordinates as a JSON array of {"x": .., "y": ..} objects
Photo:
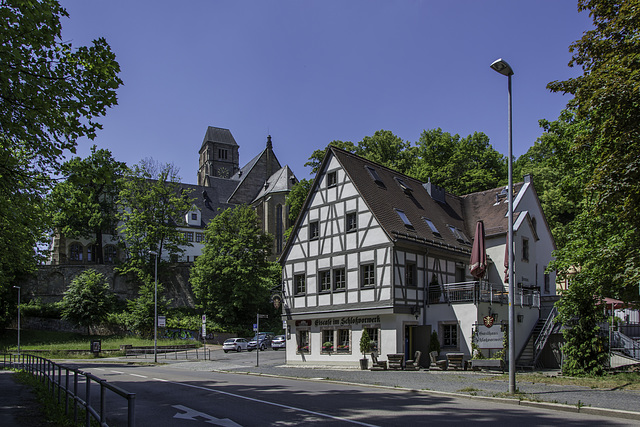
[
  {"x": 502, "y": 67},
  {"x": 155, "y": 311},
  {"x": 18, "y": 288}
]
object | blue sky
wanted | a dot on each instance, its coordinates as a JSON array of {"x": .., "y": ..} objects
[{"x": 309, "y": 72}]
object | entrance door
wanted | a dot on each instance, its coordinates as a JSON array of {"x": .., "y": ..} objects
[{"x": 416, "y": 338}]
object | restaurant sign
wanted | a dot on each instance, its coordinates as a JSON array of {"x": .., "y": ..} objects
[
  {"x": 489, "y": 337},
  {"x": 339, "y": 321}
]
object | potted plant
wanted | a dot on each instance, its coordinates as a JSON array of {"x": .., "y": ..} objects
[
  {"x": 434, "y": 290},
  {"x": 434, "y": 343},
  {"x": 327, "y": 346},
  {"x": 365, "y": 346}
]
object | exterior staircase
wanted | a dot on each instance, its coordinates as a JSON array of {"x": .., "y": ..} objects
[{"x": 528, "y": 358}]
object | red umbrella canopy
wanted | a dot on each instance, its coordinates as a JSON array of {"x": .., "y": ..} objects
[{"x": 478, "y": 264}]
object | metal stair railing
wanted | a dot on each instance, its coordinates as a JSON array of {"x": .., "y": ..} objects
[
  {"x": 541, "y": 341},
  {"x": 626, "y": 345}
]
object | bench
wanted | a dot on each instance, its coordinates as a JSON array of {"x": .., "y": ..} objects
[
  {"x": 487, "y": 364},
  {"x": 395, "y": 361},
  {"x": 455, "y": 360}
]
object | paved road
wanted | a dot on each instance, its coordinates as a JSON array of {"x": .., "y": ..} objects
[
  {"x": 214, "y": 388},
  {"x": 174, "y": 396}
]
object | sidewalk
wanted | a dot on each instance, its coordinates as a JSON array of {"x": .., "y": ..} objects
[{"x": 18, "y": 404}]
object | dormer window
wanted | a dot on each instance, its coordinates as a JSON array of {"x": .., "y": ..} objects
[
  {"x": 193, "y": 217},
  {"x": 404, "y": 218},
  {"x": 374, "y": 175},
  {"x": 432, "y": 226}
]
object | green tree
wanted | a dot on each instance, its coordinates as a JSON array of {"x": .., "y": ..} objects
[
  {"x": 51, "y": 94},
  {"x": 460, "y": 165},
  {"x": 295, "y": 201},
  {"x": 141, "y": 310},
  {"x": 602, "y": 250},
  {"x": 152, "y": 206},
  {"x": 84, "y": 204},
  {"x": 316, "y": 158},
  {"x": 88, "y": 300},
  {"x": 560, "y": 171},
  {"x": 232, "y": 279}
]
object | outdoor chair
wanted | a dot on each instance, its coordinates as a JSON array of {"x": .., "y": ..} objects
[
  {"x": 377, "y": 365},
  {"x": 413, "y": 365},
  {"x": 437, "y": 364}
]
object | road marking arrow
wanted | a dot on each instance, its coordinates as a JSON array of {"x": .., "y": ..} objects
[{"x": 192, "y": 414}]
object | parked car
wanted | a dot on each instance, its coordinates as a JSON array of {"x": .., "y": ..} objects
[
  {"x": 264, "y": 339},
  {"x": 235, "y": 344},
  {"x": 279, "y": 341}
]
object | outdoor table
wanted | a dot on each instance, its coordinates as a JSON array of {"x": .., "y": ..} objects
[{"x": 395, "y": 361}]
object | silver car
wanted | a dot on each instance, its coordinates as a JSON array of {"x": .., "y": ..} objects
[
  {"x": 235, "y": 344},
  {"x": 279, "y": 341}
]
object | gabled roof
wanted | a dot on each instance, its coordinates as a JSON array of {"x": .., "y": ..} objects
[
  {"x": 209, "y": 199},
  {"x": 214, "y": 134},
  {"x": 491, "y": 207},
  {"x": 279, "y": 182},
  {"x": 249, "y": 169},
  {"x": 386, "y": 192}
]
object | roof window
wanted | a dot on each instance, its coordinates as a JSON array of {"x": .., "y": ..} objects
[
  {"x": 375, "y": 176},
  {"x": 401, "y": 182},
  {"x": 404, "y": 218},
  {"x": 432, "y": 226},
  {"x": 459, "y": 234}
]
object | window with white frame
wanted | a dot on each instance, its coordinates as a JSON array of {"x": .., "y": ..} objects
[
  {"x": 344, "y": 340},
  {"x": 367, "y": 275},
  {"x": 410, "y": 274},
  {"x": 351, "y": 222},
  {"x": 339, "y": 279},
  {"x": 328, "y": 340},
  {"x": 374, "y": 336},
  {"x": 314, "y": 230},
  {"x": 300, "y": 284},
  {"x": 303, "y": 341},
  {"x": 325, "y": 281},
  {"x": 449, "y": 335},
  {"x": 331, "y": 179}
]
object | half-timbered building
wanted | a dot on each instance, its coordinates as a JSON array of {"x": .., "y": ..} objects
[{"x": 376, "y": 250}]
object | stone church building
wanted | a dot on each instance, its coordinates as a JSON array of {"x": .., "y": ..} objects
[{"x": 262, "y": 183}]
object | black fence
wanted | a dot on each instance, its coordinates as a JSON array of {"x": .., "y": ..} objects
[{"x": 72, "y": 388}]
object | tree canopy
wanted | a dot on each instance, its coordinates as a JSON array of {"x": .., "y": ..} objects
[
  {"x": 84, "y": 204},
  {"x": 152, "y": 208},
  {"x": 51, "y": 94},
  {"x": 232, "y": 279}
]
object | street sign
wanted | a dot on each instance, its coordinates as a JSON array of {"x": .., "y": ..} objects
[
  {"x": 263, "y": 316},
  {"x": 162, "y": 321},
  {"x": 255, "y": 327}
]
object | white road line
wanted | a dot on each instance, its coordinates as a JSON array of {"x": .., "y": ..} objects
[
  {"x": 320, "y": 414},
  {"x": 117, "y": 372},
  {"x": 139, "y": 376},
  {"x": 160, "y": 379}
]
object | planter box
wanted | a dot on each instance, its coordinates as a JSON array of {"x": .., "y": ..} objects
[{"x": 488, "y": 364}]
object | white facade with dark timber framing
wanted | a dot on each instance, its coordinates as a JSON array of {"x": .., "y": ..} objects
[{"x": 364, "y": 250}]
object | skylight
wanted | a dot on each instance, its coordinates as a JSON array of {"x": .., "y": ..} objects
[
  {"x": 375, "y": 176},
  {"x": 404, "y": 218},
  {"x": 403, "y": 185},
  {"x": 432, "y": 226},
  {"x": 459, "y": 234}
]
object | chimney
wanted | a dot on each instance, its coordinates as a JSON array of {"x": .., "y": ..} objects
[{"x": 436, "y": 193}]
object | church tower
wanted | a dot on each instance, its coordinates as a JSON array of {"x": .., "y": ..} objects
[{"x": 218, "y": 155}]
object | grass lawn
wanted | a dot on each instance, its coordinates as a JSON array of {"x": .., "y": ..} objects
[
  {"x": 55, "y": 343},
  {"x": 618, "y": 381}
]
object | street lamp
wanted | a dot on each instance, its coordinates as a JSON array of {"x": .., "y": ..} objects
[
  {"x": 502, "y": 67},
  {"x": 18, "y": 288},
  {"x": 155, "y": 311}
]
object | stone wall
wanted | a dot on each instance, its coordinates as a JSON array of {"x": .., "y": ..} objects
[{"x": 50, "y": 282}]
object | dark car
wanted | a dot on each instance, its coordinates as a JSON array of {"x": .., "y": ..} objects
[{"x": 264, "y": 340}]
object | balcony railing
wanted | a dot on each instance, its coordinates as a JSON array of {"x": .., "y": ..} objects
[{"x": 476, "y": 292}]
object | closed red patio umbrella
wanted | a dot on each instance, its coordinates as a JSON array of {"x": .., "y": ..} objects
[{"x": 478, "y": 263}]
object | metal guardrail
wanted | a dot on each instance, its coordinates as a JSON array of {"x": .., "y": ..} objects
[
  {"x": 64, "y": 383},
  {"x": 481, "y": 292},
  {"x": 627, "y": 346}
]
